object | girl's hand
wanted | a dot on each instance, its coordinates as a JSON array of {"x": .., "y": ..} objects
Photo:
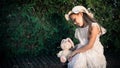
[
  {"x": 70, "y": 58},
  {"x": 71, "y": 55}
]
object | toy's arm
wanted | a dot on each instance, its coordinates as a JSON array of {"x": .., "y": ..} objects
[{"x": 59, "y": 54}]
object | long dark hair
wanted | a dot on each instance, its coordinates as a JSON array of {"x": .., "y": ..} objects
[{"x": 87, "y": 20}]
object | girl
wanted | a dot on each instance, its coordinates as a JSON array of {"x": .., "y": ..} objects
[{"x": 89, "y": 52}]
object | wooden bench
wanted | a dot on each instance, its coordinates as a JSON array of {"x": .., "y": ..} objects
[
  {"x": 35, "y": 62},
  {"x": 47, "y": 62}
]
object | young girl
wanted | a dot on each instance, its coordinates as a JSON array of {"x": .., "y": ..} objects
[{"x": 89, "y": 52}]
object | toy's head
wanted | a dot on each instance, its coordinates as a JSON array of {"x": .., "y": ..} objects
[{"x": 66, "y": 44}]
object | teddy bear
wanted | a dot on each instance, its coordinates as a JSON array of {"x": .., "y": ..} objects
[{"x": 65, "y": 45}]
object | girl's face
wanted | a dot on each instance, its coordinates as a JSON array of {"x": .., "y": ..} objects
[{"x": 77, "y": 19}]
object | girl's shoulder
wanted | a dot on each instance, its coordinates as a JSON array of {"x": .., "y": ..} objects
[{"x": 101, "y": 28}]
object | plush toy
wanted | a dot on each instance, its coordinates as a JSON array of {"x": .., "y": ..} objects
[{"x": 66, "y": 44}]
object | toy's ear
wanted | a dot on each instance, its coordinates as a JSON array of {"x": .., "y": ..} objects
[
  {"x": 69, "y": 40},
  {"x": 62, "y": 42}
]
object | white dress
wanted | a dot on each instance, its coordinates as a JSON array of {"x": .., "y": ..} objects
[{"x": 94, "y": 57}]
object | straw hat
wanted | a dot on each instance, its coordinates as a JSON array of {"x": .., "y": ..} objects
[{"x": 78, "y": 9}]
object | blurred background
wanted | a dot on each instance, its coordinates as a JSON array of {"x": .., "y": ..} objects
[{"x": 36, "y": 27}]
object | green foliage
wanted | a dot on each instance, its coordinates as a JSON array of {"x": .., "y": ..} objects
[
  {"x": 35, "y": 27},
  {"x": 25, "y": 32}
]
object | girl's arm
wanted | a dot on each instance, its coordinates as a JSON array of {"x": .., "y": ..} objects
[
  {"x": 94, "y": 32},
  {"x": 72, "y": 49}
]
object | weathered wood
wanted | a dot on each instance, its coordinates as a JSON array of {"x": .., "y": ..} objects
[
  {"x": 46, "y": 62},
  {"x": 15, "y": 63},
  {"x": 19, "y": 62},
  {"x": 36, "y": 62},
  {"x": 39, "y": 65},
  {"x": 40, "y": 62},
  {"x": 33, "y": 64}
]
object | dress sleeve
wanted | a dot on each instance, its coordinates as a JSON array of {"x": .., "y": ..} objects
[{"x": 102, "y": 29}]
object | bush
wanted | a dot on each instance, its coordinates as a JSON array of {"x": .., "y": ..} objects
[{"x": 37, "y": 27}]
